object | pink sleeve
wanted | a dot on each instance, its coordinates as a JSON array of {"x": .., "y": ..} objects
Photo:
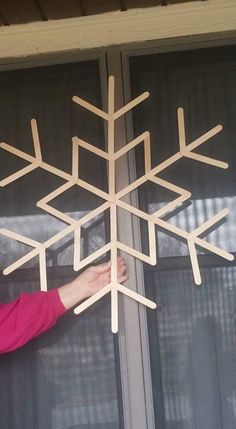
[{"x": 27, "y": 317}]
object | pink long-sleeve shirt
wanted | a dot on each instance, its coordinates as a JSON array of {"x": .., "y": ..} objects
[{"x": 27, "y": 317}]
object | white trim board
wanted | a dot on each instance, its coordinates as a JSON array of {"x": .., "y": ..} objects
[{"x": 137, "y": 25}]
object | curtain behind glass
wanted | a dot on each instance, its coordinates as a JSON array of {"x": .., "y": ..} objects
[
  {"x": 67, "y": 378},
  {"x": 192, "y": 339}
]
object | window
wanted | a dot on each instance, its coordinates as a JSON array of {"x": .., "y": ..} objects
[
  {"x": 68, "y": 377},
  {"x": 192, "y": 339}
]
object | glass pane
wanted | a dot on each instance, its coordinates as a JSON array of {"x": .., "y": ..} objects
[
  {"x": 69, "y": 377},
  {"x": 66, "y": 378},
  {"x": 192, "y": 339},
  {"x": 46, "y": 95},
  {"x": 204, "y": 84},
  {"x": 196, "y": 347}
]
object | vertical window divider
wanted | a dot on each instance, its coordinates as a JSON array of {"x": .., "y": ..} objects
[{"x": 133, "y": 331}]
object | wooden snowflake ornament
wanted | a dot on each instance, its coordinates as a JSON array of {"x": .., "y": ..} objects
[{"x": 113, "y": 200}]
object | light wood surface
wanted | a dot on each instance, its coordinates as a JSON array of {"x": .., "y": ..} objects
[{"x": 213, "y": 17}]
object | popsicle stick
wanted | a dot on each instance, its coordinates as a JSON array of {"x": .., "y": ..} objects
[
  {"x": 165, "y": 164},
  {"x": 213, "y": 249},
  {"x": 111, "y": 174},
  {"x": 35, "y": 135},
  {"x": 42, "y": 269},
  {"x": 56, "y": 213},
  {"x": 76, "y": 224},
  {"x": 170, "y": 206},
  {"x": 19, "y": 173},
  {"x": 131, "y": 294},
  {"x": 171, "y": 186},
  {"x": 194, "y": 262},
  {"x": 79, "y": 142},
  {"x": 205, "y": 159},
  {"x": 94, "y": 213},
  {"x": 75, "y": 158},
  {"x": 181, "y": 127},
  {"x": 135, "y": 253},
  {"x": 17, "y": 152},
  {"x": 113, "y": 238},
  {"x": 152, "y": 237},
  {"x": 169, "y": 227},
  {"x": 131, "y": 187},
  {"x": 21, "y": 261},
  {"x": 90, "y": 107},
  {"x": 133, "y": 210},
  {"x": 147, "y": 153},
  {"x": 208, "y": 224},
  {"x": 152, "y": 242},
  {"x": 114, "y": 295},
  {"x": 174, "y": 158},
  {"x": 130, "y": 105},
  {"x": 114, "y": 310},
  {"x": 184, "y": 196},
  {"x": 94, "y": 190},
  {"x": 56, "y": 193},
  {"x": 131, "y": 145},
  {"x": 92, "y": 257},
  {"x": 90, "y": 301},
  {"x": 57, "y": 172},
  {"x": 202, "y": 139},
  {"x": 63, "y": 233},
  {"x": 44, "y": 201},
  {"x": 19, "y": 237}
]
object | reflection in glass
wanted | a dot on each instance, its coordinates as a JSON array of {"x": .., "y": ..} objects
[
  {"x": 196, "y": 331},
  {"x": 41, "y": 228},
  {"x": 198, "y": 212}
]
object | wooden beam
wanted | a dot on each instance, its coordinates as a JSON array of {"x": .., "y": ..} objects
[{"x": 136, "y": 25}]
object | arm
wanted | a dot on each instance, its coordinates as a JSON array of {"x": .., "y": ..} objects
[{"x": 31, "y": 314}]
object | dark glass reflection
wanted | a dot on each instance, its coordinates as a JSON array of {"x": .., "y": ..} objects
[
  {"x": 68, "y": 378},
  {"x": 192, "y": 339}
]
